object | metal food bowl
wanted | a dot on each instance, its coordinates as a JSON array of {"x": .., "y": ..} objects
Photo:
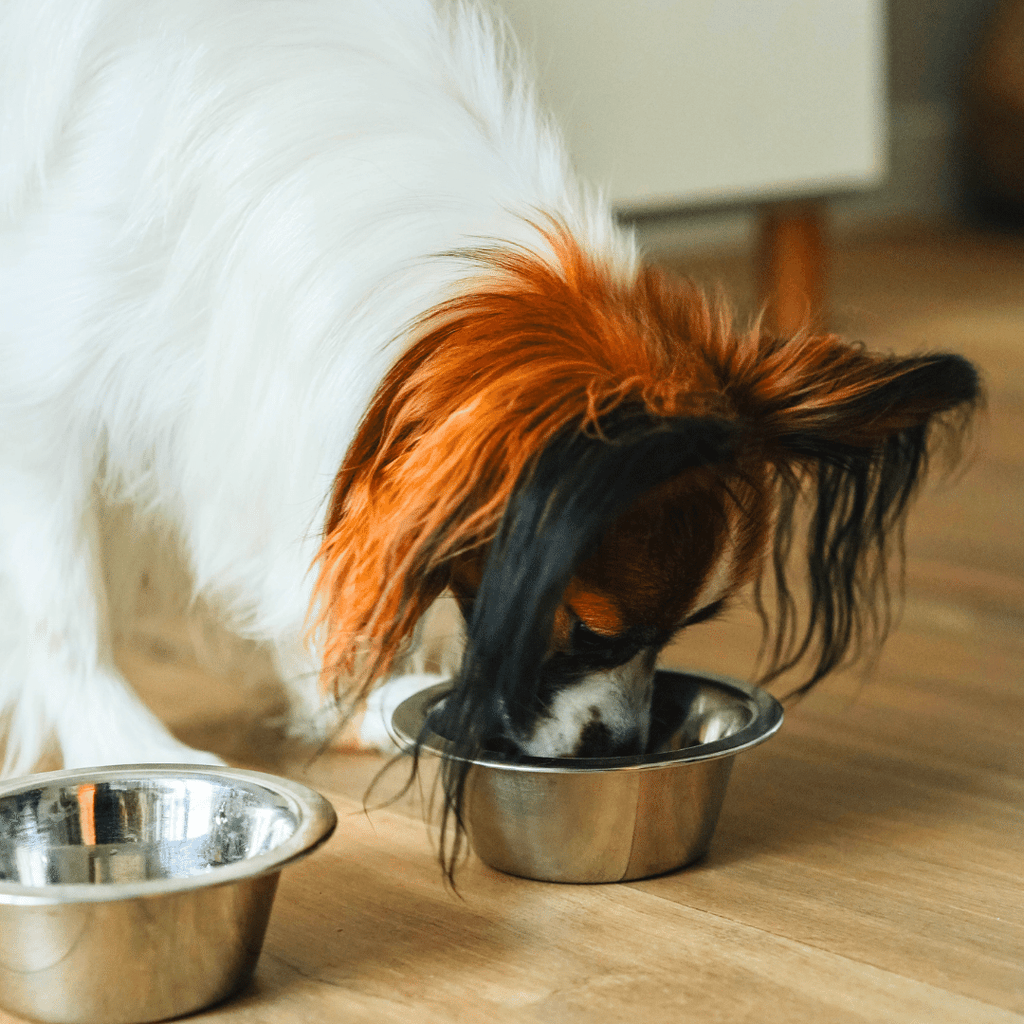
[
  {"x": 611, "y": 819},
  {"x": 142, "y": 892}
]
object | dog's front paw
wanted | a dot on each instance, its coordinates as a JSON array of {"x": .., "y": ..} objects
[{"x": 369, "y": 730}]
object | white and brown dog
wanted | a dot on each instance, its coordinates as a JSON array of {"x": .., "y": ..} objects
[{"x": 311, "y": 285}]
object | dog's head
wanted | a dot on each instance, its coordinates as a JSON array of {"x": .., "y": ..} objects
[{"x": 591, "y": 465}]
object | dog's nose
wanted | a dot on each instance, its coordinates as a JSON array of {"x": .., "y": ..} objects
[{"x": 597, "y": 740}]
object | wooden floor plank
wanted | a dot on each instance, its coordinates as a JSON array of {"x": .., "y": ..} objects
[{"x": 367, "y": 919}]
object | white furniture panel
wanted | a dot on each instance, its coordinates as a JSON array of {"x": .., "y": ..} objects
[{"x": 669, "y": 103}]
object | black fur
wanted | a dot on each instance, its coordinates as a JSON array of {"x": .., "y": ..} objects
[{"x": 859, "y": 502}]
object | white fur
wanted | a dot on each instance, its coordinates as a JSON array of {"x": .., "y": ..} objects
[
  {"x": 217, "y": 219},
  {"x": 619, "y": 698}
]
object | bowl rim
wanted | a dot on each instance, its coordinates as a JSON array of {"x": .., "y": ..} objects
[
  {"x": 767, "y": 719},
  {"x": 316, "y": 818}
]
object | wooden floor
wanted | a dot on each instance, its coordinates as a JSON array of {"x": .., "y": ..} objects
[{"x": 869, "y": 861}]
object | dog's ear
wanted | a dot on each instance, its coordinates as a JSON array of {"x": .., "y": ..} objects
[
  {"x": 852, "y": 432},
  {"x": 817, "y": 395},
  {"x": 533, "y": 348}
]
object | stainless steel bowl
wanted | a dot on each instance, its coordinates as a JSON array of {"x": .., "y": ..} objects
[
  {"x": 618, "y": 818},
  {"x": 142, "y": 892}
]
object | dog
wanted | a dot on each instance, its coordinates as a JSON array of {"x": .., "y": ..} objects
[{"x": 312, "y": 287}]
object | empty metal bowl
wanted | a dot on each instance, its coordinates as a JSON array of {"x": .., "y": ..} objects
[
  {"x": 610, "y": 819},
  {"x": 142, "y": 892}
]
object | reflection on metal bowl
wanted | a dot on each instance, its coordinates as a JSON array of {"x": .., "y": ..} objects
[{"x": 142, "y": 892}]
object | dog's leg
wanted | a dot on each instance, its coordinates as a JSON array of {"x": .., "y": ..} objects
[
  {"x": 317, "y": 719},
  {"x": 58, "y": 680},
  {"x": 310, "y": 715},
  {"x": 374, "y": 730},
  {"x": 433, "y": 657}
]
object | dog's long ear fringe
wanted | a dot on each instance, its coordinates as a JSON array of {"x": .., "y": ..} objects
[
  {"x": 578, "y": 487},
  {"x": 859, "y": 461}
]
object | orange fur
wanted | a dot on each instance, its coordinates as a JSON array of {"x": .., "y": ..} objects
[
  {"x": 597, "y": 609},
  {"x": 496, "y": 373}
]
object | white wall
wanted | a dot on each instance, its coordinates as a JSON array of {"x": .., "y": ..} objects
[{"x": 670, "y": 103}]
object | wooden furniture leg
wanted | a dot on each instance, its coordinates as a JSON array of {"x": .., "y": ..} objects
[{"x": 792, "y": 262}]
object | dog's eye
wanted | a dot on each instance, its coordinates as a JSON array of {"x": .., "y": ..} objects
[{"x": 585, "y": 640}]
